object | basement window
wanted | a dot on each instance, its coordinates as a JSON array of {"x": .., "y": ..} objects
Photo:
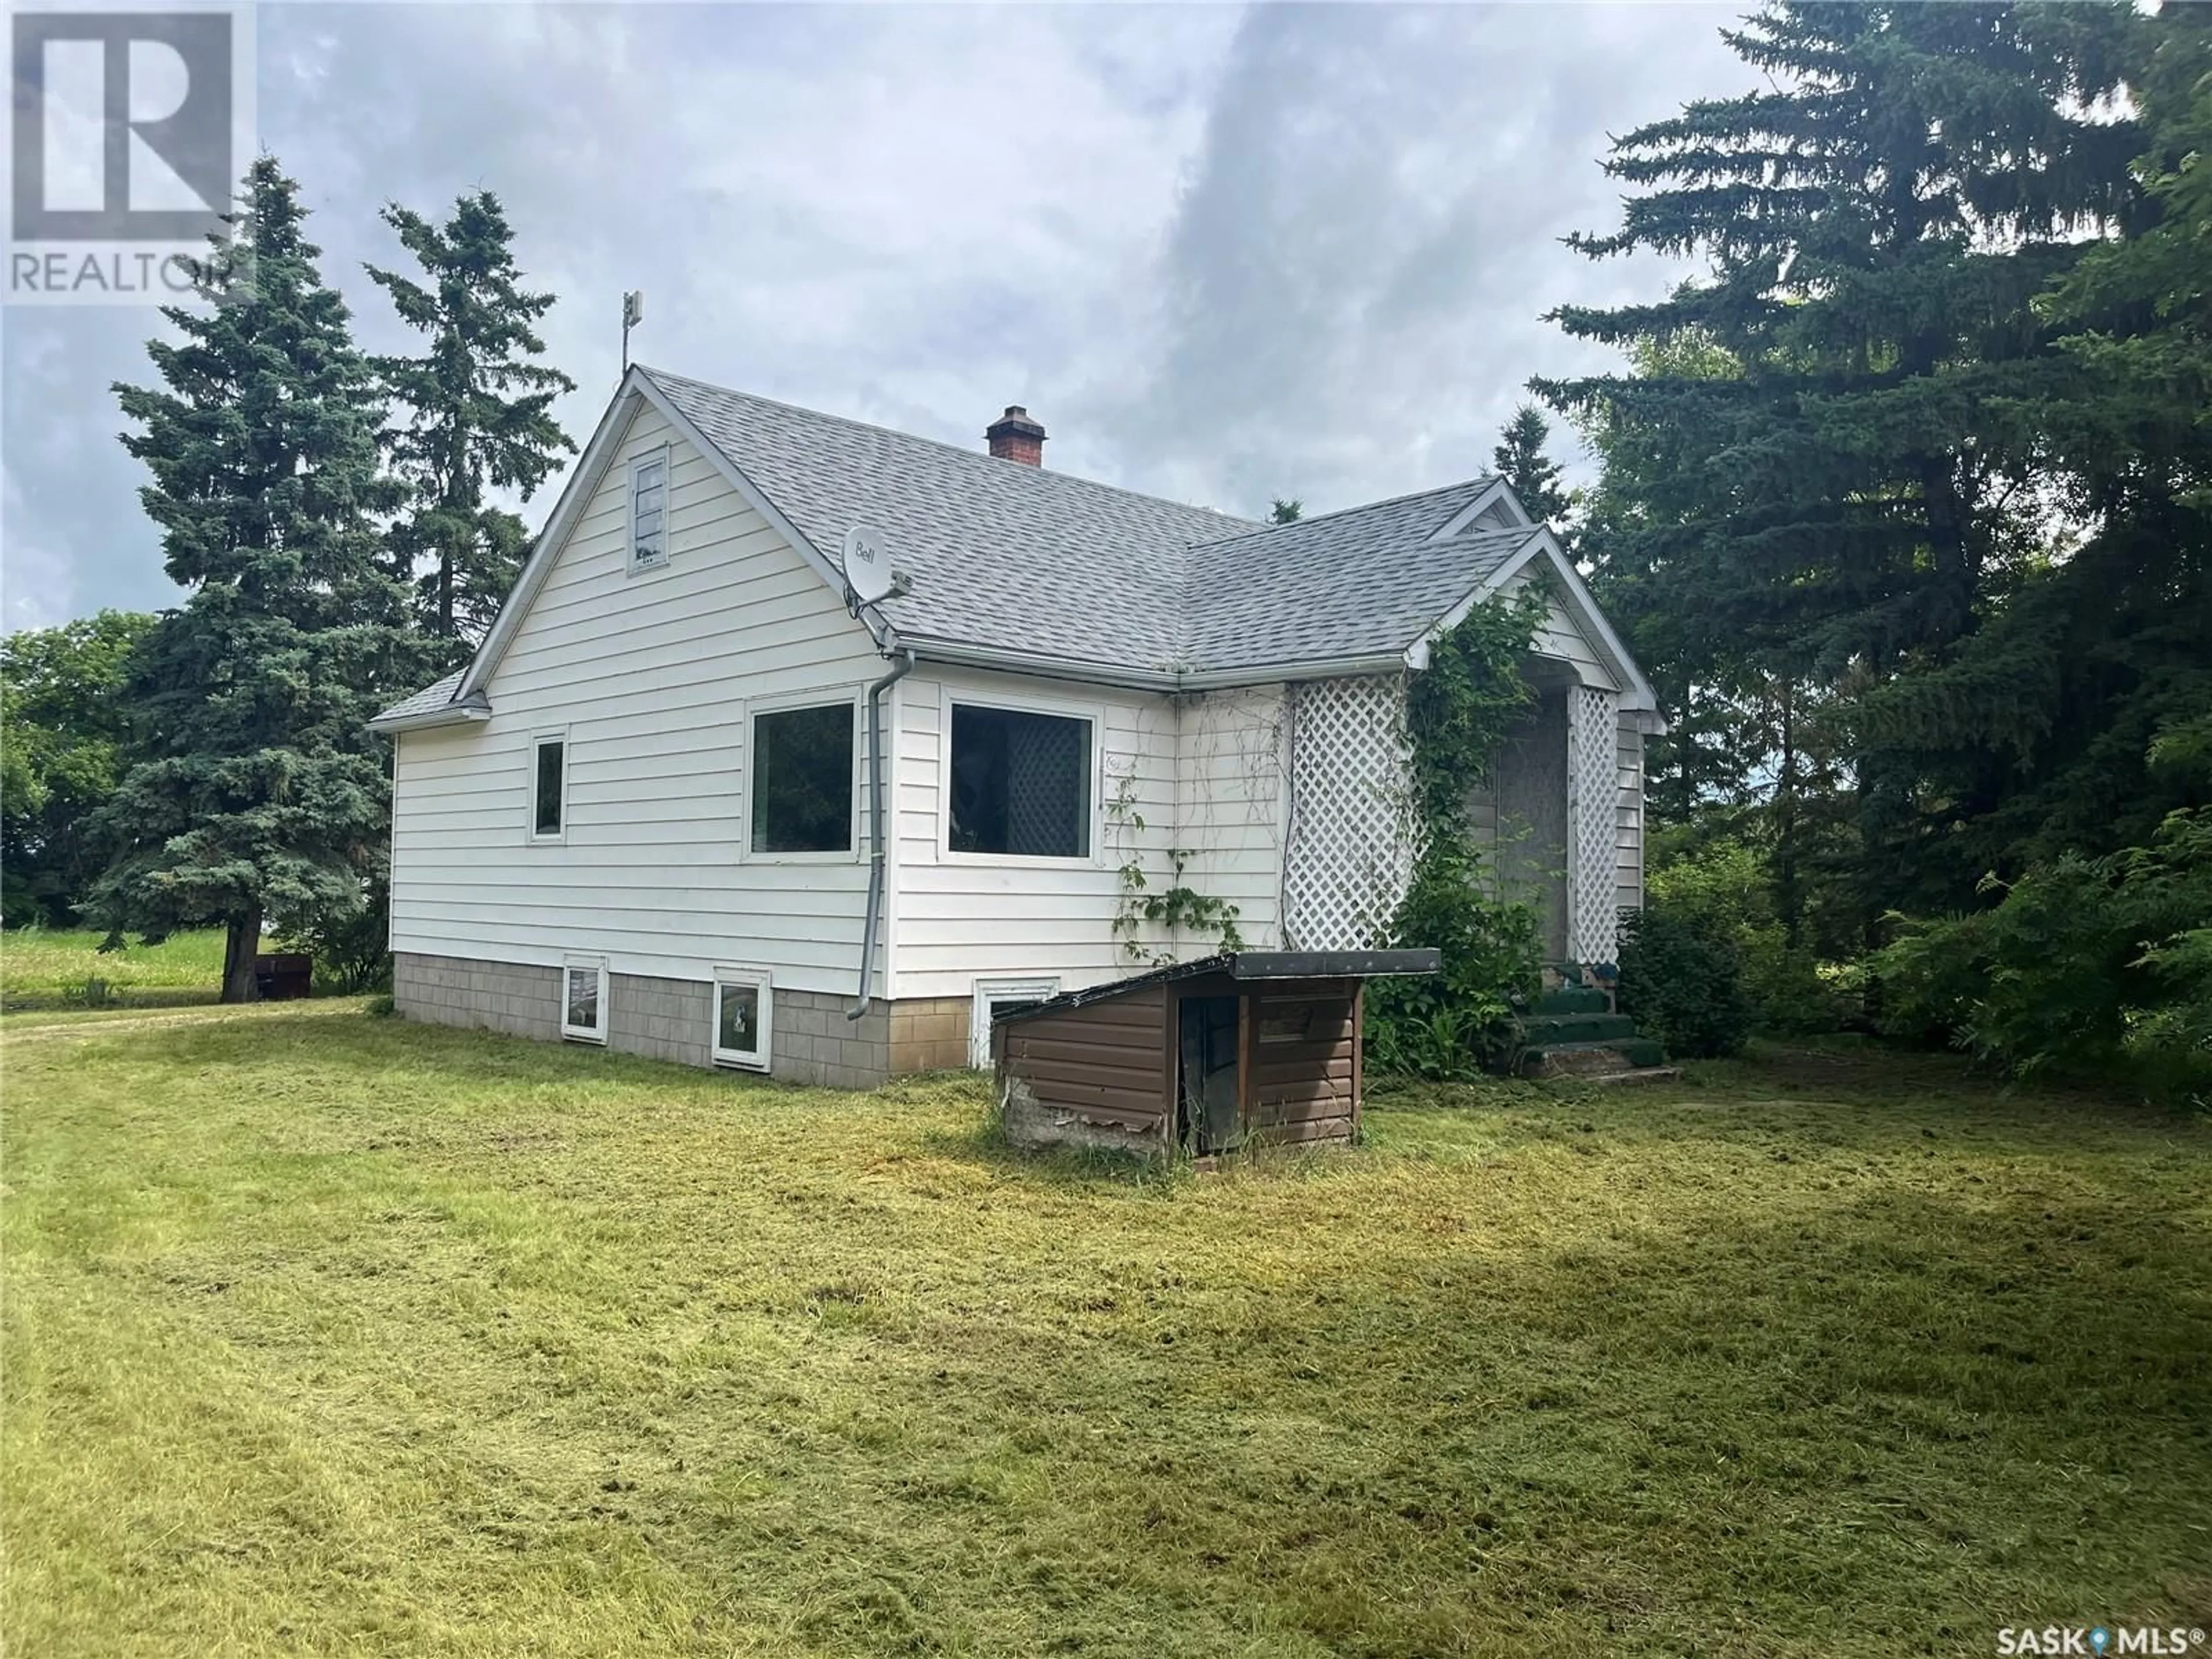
[
  {"x": 549, "y": 787},
  {"x": 584, "y": 999},
  {"x": 743, "y": 1008},
  {"x": 1020, "y": 784},
  {"x": 648, "y": 511},
  {"x": 802, "y": 780},
  {"x": 995, "y": 997}
]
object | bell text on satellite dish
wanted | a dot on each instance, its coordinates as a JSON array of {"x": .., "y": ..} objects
[{"x": 867, "y": 564}]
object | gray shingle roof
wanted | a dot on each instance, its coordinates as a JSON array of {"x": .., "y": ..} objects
[
  {"x": 1006, "y": 555},
  {"x": 1366, "y": 582},
  {"x": 428, "y": 700}
]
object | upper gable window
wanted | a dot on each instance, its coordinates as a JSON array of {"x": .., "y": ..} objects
[
  {"x": 1021, "y": 784},
  {"x": 648, "y": 510}
]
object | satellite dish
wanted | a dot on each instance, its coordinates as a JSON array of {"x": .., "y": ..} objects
[{"x": 867, "y": 565}]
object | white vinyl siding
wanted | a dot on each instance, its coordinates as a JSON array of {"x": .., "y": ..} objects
[
  {"x": 1561, "y": 636},
  {"x": 1232, "y": 805},
  {"x": 651, "y": 680}
]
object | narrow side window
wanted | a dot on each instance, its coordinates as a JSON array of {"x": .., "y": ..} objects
[
  {"x": 549, "y": 778},
  {"x": 648, "y": 510}
]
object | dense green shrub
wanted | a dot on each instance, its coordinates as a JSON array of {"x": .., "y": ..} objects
[
  {"x": 2083, "y": 964},
  {"x": 351, "y": 945},
  {"x": 1722, "y": 891},
  {"x": 1458, "y": 1023},
  {"x": 1681, "y": 979}
]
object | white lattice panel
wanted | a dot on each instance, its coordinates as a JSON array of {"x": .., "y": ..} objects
[
  {"x": 1353, "y": 830},
  {"x": 1593, "y": 823}
]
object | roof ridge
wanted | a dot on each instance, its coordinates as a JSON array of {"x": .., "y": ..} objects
[
  {"x": 1263, "y": 528},
  {"x": 664, "y": 374}
]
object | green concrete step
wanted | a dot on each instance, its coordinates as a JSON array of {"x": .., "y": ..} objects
[
  {"x": 1543, "y": 1029},
  {"x": 1587, "y": 1059},
  {"x": 1573, "y": 999}
]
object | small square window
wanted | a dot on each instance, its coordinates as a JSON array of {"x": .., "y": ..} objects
[
  {"x": 584, "y": 999},
  {"x": 742, "y": 1009},
  {"x": 1021, "y": 784},
  {"x": 802, "y": 780},
  {"x": 549, "y": 788},
  {"x": 648, "y": 510}
]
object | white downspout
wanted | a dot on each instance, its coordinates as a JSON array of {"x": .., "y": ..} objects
[{"x": 900, "y": 670}]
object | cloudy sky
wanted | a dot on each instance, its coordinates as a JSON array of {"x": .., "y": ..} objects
[{"x": 1222, "y": 253}]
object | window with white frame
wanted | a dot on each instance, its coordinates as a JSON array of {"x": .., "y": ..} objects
[
  {"x": 1020, "y": 783},
  {"x": 549, "y": 785},
  {"x": 801, "y": 779},
  {"x": 584, "y": 999},
  {"x": 648, "y": 510},
  {"x": 995, "y": 997},
  {"x": 744, "y": 1007}
]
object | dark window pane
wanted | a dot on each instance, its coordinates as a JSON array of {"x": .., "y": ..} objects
[
  {"x": 584, "y": 999},
  {"x": 803, "y": 781},
  {"x": 1021, "y": 784},
  {"x": 739, "y": 1028},
  {"x": 547, "y": 817}
]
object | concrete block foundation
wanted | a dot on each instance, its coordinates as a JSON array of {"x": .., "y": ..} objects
[{"x": 810, "y": 1039}]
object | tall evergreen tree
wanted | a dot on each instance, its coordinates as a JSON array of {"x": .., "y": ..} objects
[
  {"x": 1869, "y": 483},
  {"x": 1286, "y": 510},
  {"x": 1533, "y": 475},
  {"x": 477, "y": 412},
  {"x": 255, "y": 792}
]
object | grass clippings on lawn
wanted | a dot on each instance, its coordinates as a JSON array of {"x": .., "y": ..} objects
[{"x": 337, "y": 1335}]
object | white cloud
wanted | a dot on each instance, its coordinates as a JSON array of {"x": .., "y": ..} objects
[{"x": 1223, "y": 254}]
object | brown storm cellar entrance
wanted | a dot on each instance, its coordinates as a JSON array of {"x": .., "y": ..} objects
[{"x": 1254, "y": 1046}]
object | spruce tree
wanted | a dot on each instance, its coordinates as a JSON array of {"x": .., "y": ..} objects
[
  {"x": 1533, "y": 475},
  {"x": 255, "y": 792},
  {"x": 1869, "y": 481},
  {"x": 1286, "y": 510},
  {"x": 476, "y": 413}
]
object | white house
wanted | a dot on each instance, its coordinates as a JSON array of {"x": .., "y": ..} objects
[{"x": 643, "y": 815}]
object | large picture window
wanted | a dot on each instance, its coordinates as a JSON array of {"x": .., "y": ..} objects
[
  {"x": 802, "y": 780},
  {"x": 1021, "y": 783}
]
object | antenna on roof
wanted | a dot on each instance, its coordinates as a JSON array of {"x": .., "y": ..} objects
[{"x": 633, "y": 315}]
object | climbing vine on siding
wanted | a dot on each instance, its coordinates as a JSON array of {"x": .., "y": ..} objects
[
  {"x": 1465, "y": 1019},
  {"x": 1176, "y": 906}
]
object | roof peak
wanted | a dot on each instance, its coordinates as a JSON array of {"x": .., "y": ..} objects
[{"x": 975, "y": 457}]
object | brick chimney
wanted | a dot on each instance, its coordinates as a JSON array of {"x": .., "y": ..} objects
[{"x": 1015, "y": 437}]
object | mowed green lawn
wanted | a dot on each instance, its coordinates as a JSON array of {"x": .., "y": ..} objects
[{"x": 330, "y": 1334}]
